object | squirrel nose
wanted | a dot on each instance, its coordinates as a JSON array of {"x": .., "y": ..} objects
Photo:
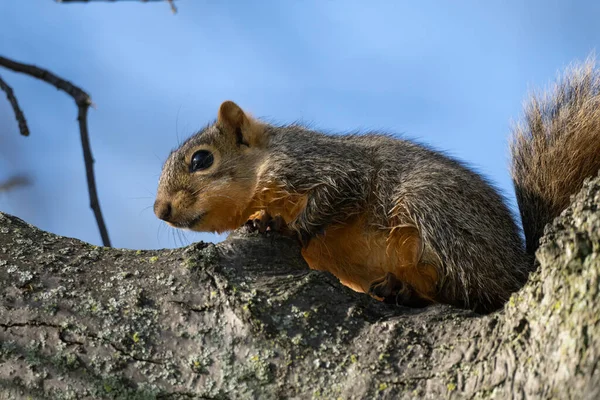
[{"x": 162, "y": 209}]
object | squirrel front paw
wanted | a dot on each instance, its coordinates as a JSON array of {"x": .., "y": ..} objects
[
  {"x": 390, "y": 289},
  {"x": 262, "y": 222}
]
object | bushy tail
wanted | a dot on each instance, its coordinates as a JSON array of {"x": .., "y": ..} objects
[{"x": 555, "y": 147}]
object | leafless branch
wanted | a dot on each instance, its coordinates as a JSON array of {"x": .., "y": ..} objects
[
  {"x": 171, "y": 2},
  {"x": 15, "y": 105},
  {"x": 14, "y": 182},
  {"x": 111, "y": 1},
  {"x": 83, "y": 101}
]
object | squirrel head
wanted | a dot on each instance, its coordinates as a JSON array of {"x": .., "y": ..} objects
[{"x": 208, "y": 183}]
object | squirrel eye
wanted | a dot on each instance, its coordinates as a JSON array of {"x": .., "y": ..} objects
[{"x": 202, "y": 159}]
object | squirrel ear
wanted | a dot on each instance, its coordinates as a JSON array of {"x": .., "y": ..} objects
[{"x": 246, "y": 130}]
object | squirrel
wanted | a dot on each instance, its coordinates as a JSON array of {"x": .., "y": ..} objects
[{"x": 389, "y": 217}]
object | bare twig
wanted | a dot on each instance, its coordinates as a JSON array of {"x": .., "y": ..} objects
[
  {"x": 83, "y": 101},
  {"x": 15, "y": 105},
  {"x": 171, "y": 2},
  {"x": 96, "y": 1},
  {"x": 14, "y": 182}
]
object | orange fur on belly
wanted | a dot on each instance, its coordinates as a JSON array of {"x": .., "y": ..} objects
[
  {"x": 355, "y": 252},
  {"x": 359, "y": 254}
]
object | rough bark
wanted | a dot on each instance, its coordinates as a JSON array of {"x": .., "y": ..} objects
[{"x": 246, "y": 319}]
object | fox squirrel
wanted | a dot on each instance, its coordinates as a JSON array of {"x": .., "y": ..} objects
[{"x": 390, "y": 217}]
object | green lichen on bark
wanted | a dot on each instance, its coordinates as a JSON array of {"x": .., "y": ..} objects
[{"x": 247, "y": 319}]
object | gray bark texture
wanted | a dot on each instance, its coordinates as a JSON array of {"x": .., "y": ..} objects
[{"x": 246, "y": 319}]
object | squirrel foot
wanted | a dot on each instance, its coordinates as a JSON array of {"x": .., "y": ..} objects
[
  {"x": 391, "y": 290},
  {"x": 262, "y": 222}
]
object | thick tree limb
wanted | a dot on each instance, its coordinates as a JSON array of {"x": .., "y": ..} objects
[
  {"x": 23, "y": 128},
  {"x": 83, "y": 101},
  {"x": 246, "y": 319}
]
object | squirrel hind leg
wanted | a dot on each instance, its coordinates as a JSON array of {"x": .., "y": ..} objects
[
  {"x": 412, "y": 281},
  {"x": 390, "y": 289},
  {"x": 384, "y": 287}
]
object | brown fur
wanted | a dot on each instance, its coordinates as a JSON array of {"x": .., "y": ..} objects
[
  {"x": 387, "y": 216},
  {"x": 354, "y": 252},
  {"x": 273, "y": 200},
  {"x": 555, "y": 147},
  {"x": 359, "y": 255},
  {"x": 229, "y": 204},
  {"x": 233, "y": 119}
]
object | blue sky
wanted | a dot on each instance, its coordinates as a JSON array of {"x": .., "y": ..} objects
[{"x": 448, "y": 73}]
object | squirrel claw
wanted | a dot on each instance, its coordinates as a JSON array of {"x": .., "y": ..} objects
[
  {"x": 385, "y": 287},
  {"x": 262, "y": 222},
  {"x": 391, "y": 290}
]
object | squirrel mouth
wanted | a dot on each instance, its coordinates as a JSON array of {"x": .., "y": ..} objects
[
  {"x": 197, "y": 219},
  {"x": 188, "y": 223}
]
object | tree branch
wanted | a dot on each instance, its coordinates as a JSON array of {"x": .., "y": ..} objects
[
  {"x": 83, "y": 101},
  {"x": 23, "y": 128},
  {"x": 109, "y": 1},
  {"x": 14, "y": 182},
  {"x": 247, "y": 319},
  {"x": 171, "y": 2}
]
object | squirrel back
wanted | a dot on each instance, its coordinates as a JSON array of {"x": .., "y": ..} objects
[
  {"x": 387, "y": 216},
  {"x": 555, "y": 147}
]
